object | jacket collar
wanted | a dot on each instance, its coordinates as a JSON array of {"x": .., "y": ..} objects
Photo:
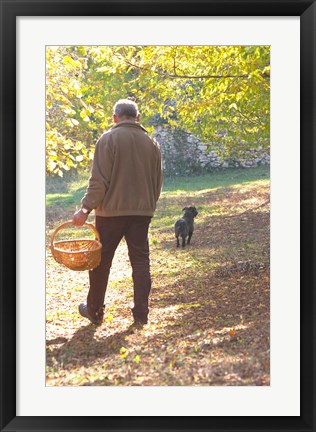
[{"x": 129, "y": 123}]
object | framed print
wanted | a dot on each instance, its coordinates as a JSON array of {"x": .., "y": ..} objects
[{"x": 210, "y": 358}]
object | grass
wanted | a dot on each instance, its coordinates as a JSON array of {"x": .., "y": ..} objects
[
  {"x": 209, "y": 319},
  {"x": 219, "y": 179},
  {"x": 69, "y": 191},
  {"x": 63, "y": 196}
]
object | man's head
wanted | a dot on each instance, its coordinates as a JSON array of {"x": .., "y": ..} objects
[{"x": 125, "y": 109}]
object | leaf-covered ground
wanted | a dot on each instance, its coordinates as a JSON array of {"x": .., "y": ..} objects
[{"x": 209, "y": 317}]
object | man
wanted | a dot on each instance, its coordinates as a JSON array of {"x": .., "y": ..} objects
[{"x": 123, "y": 189}]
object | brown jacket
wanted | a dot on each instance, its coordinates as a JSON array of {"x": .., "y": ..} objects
[{"x": 126, "y": 176}]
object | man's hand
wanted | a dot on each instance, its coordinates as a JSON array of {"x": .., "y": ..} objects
[{"x": 79, "y": 218}]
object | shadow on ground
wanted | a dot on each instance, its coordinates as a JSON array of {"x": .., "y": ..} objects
[{"x": 210, "y": 304}]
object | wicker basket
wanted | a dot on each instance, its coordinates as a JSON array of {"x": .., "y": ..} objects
[{"x": 77, "y": 254}]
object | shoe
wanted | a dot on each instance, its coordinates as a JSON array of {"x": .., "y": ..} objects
[
  {"x": 95, "y": 318},
  {"x": 136, "y": 326},
  {"x": 140, "y": 317},
  {"x": 140, "y": 322}
]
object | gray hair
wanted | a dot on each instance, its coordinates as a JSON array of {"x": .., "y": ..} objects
[{"x": 125, "y": 107}]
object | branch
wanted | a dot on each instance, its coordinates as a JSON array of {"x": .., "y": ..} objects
[
  {"x": 174, "y": 64},
  {"x": 247, "y": 118},
  {"x": 175, "y": 76},
  {"x": 245, "y": 76}
]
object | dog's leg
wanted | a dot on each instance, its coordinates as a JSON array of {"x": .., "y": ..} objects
[
  {"x": 183, "y": 241},
  {"x": 178, "y": 243},
  {"x": 190, "y": 235}
]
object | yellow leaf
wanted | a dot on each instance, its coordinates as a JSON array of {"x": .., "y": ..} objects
[
  {"x": 123, "y": 352},
  {"x": 84, "y": 115},
  {"x": 51, "y": 165},
  {"x": 68, "y": 59},
  {"x": 136, "y": 359}
]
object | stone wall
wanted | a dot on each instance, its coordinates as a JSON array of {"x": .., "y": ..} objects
[{"x": 184, "y": 154}]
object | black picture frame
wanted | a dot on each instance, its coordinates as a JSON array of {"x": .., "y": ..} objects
[{"x": 10, "y": 10}]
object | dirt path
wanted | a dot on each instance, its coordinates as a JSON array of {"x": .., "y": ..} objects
[
  {"x": 210, "y": 305},
  {"x": 121, "y": 268}
]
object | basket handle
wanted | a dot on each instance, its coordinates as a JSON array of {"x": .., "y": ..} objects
[{"x": 91, "y": 226}]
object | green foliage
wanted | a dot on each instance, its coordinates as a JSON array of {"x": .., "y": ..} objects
[{"x": 219, "y": 93}]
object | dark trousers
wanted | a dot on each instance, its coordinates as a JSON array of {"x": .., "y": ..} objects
[{"x": 111, "y": 231}]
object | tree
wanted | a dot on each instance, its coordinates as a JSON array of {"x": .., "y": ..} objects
[{"x": 219, "y": 93}]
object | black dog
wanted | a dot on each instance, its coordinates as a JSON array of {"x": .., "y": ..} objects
[{"x": 184, "y": 227}]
